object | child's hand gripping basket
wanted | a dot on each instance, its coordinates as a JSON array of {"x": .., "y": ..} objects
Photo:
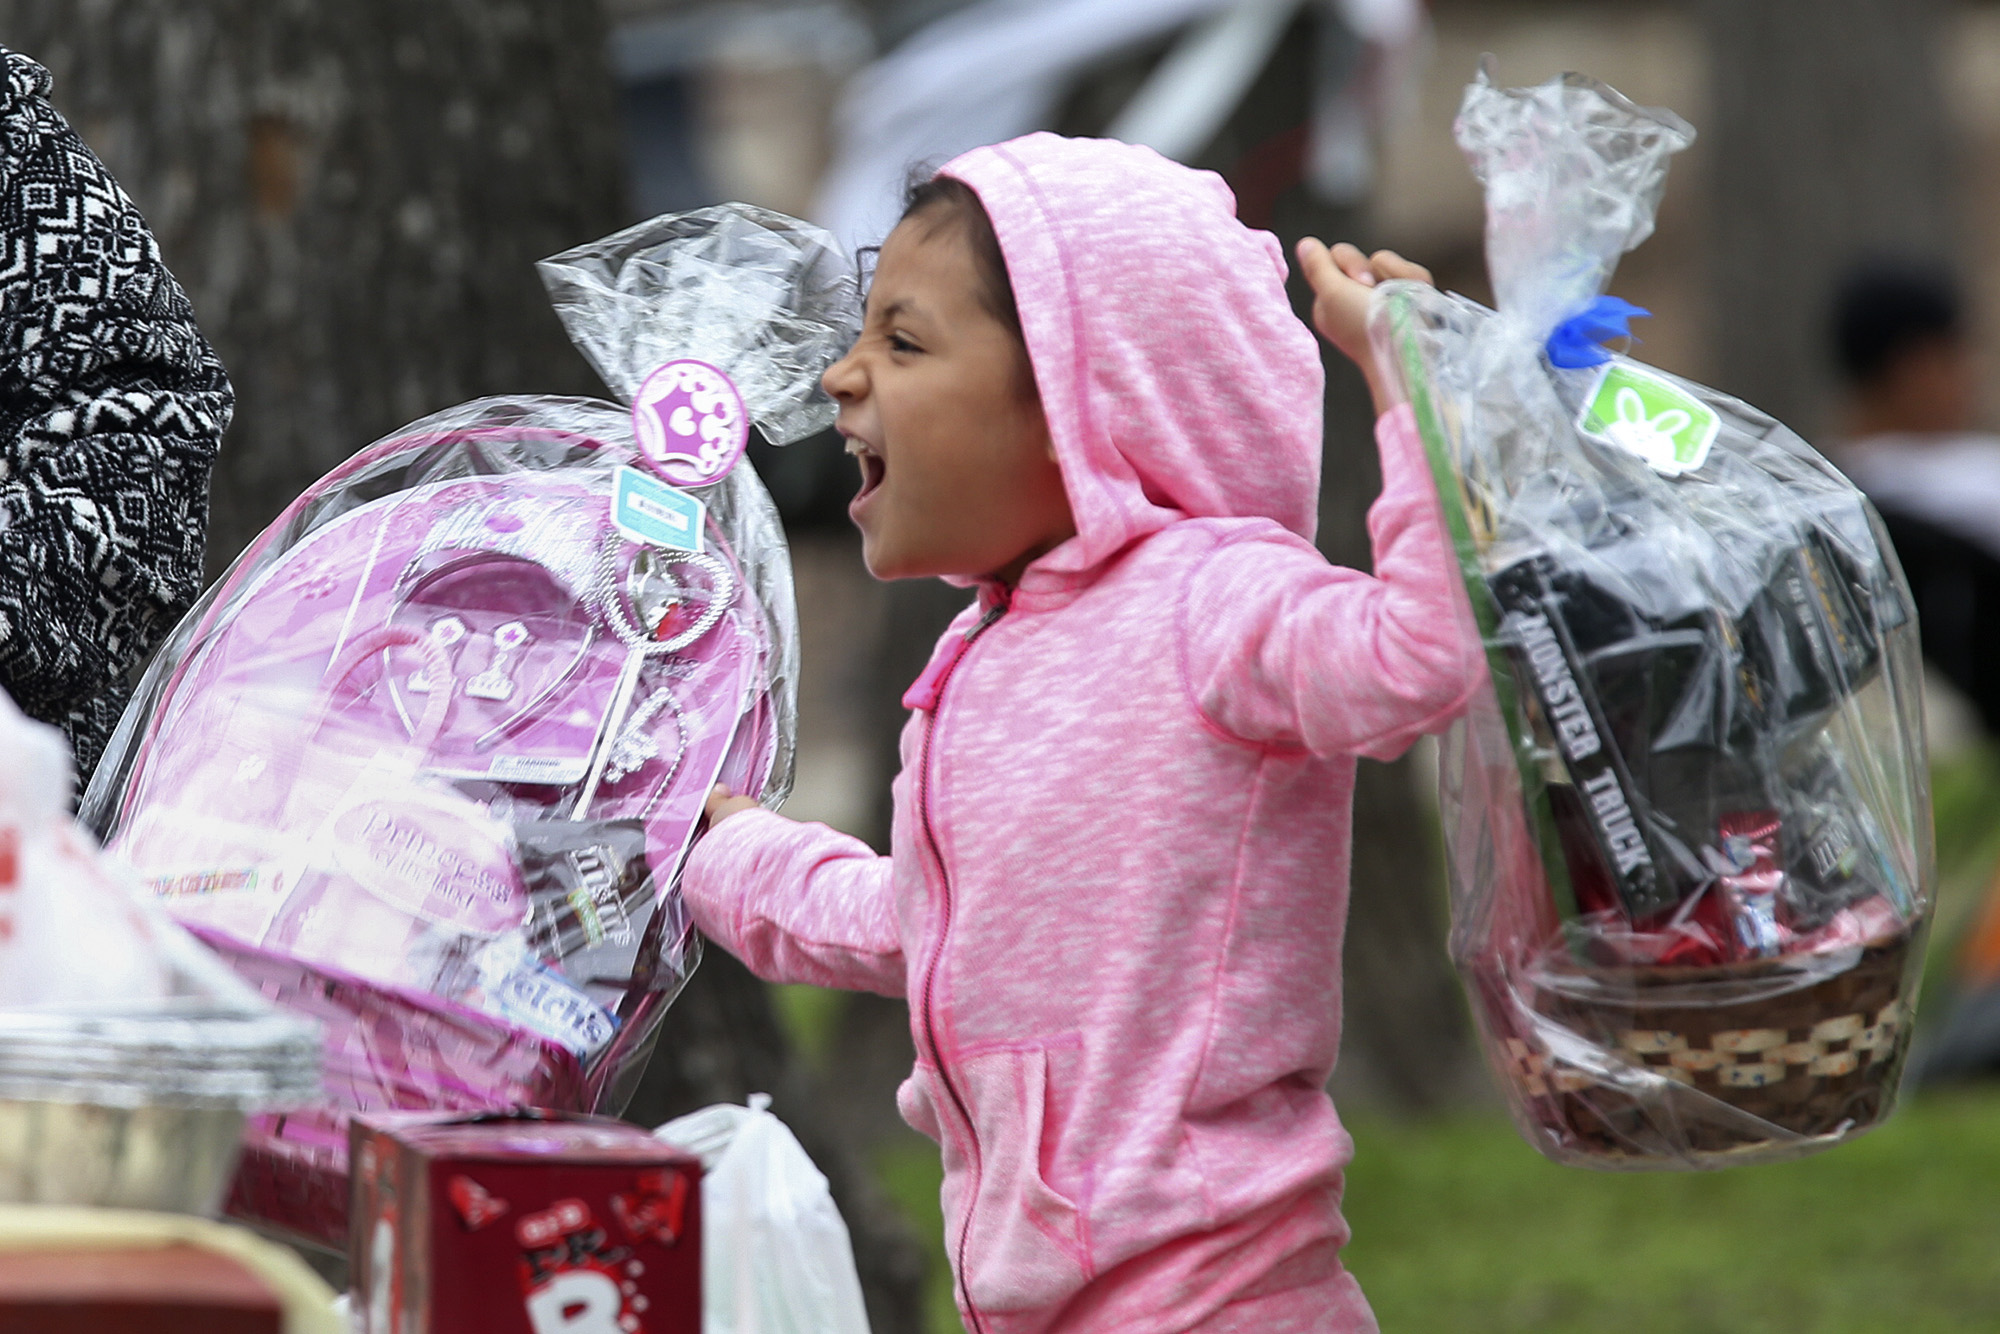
[
  {"x": 424, "y": 764},
  {"x": 1689, "y": 822}
]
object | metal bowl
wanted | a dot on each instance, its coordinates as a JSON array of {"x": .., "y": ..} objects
[
  {"x": 141, "y": 1110},
  {"x": 172, "y": 1159}
]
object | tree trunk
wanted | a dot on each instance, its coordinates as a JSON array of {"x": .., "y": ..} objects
[
  {"x": 354, "y": 196},
  {"x": 1828, "y": 144}
]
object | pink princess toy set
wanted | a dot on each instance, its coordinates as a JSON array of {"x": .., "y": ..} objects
[{"x": 424, "y": 763}]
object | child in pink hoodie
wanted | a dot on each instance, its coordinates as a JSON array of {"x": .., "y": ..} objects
[{"x": 1118, "y": 874}]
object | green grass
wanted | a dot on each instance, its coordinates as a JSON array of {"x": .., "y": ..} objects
[{"x": 1458, "y": 1225}]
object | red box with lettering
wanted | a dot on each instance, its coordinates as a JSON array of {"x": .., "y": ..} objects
[{"x": 522, "y": 1223}]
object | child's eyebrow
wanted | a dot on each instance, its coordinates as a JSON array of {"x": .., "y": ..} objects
[{"x": 902, "y": 305}]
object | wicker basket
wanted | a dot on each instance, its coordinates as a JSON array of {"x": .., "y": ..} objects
[{"x": 1818, "y": 1060}]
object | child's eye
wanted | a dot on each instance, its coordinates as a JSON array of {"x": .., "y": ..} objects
[{"x": 898, "y": 343}]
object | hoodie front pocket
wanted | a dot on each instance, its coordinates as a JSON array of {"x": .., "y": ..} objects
[{"x": 1024, "y": 1244}]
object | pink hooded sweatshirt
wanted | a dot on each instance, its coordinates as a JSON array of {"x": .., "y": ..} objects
[{"x": 1118, "y": 874}]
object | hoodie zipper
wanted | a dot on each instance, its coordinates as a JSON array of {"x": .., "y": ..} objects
[{"x": 993, "y": 614}]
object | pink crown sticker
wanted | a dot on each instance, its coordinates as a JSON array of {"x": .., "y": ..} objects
[{"x": 690, "y": 422}]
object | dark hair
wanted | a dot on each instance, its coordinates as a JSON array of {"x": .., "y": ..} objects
[
  {"x": 947, "y": 200},
  {"x": 1883, "y": 308}
]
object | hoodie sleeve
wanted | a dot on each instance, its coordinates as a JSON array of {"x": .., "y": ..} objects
[
  {"x": 1284, "y": 649},
  {"x": 796, "y": 903}
]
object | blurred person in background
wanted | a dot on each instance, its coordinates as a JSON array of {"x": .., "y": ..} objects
[
  {"x": 112, "y": 405},
  {"x": 1912, "y": 443},
  {"x": 1903, "y": 348}
]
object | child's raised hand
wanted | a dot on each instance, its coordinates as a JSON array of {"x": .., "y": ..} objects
[
  {"x": 722, "y": 803},
  {"x": 1341, "y": 279}
]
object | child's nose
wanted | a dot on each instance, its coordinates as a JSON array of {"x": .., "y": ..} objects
[{"x": 842, "y": 379}]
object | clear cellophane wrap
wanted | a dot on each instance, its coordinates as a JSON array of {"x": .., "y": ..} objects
[
  {"x": 1688, "y": 820},
  {"x": 424, "y": 763}
]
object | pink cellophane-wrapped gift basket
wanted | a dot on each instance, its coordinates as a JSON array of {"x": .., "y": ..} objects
[
  {"x": 1688, "y": 821},
  {"x": 424, "y": 763}
]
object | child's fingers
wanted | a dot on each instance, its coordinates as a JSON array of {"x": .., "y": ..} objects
[
  {"x": 1340, "y": 278},
  {"x": 1354, "y": 264},
  {"x": 1388, "y": 264},
  {"x": 1327, "y": 270},
  {"x": 1315, "y": 263},
  {"x": 1325, "y": 266},
  {"x": 722, "y": 803}
]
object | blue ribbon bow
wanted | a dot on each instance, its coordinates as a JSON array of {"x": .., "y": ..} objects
[{"x": 1574, "y": 343}]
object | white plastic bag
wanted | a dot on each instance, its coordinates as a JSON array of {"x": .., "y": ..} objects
[
  {"x": 70, "y": 936},
  {"x": 776, "y": 1258}
]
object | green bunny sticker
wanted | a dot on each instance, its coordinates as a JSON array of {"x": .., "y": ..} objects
[{"x": 1647, "y": 415}]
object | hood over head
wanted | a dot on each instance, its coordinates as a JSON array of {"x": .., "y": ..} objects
[{"x": 1177, "y": 381}]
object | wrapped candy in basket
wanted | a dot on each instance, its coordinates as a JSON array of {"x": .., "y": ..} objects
[
  {"x": 1688, "y": 824},
  {"x": 424, "y": 763}
]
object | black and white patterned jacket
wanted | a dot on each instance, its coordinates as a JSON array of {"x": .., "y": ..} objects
[{"x": 112, "y": 405}]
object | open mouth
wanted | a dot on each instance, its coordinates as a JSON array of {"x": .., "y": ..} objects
[{"x": 872, "y": 468}]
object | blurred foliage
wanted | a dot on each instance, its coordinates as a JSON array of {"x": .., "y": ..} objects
[
  {"x": 811, "y": 1019},
  {"x": 1965, "y": 798},
  {"x": 1965, "y": 801},
  {"x": 912, "y": 1174}
]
